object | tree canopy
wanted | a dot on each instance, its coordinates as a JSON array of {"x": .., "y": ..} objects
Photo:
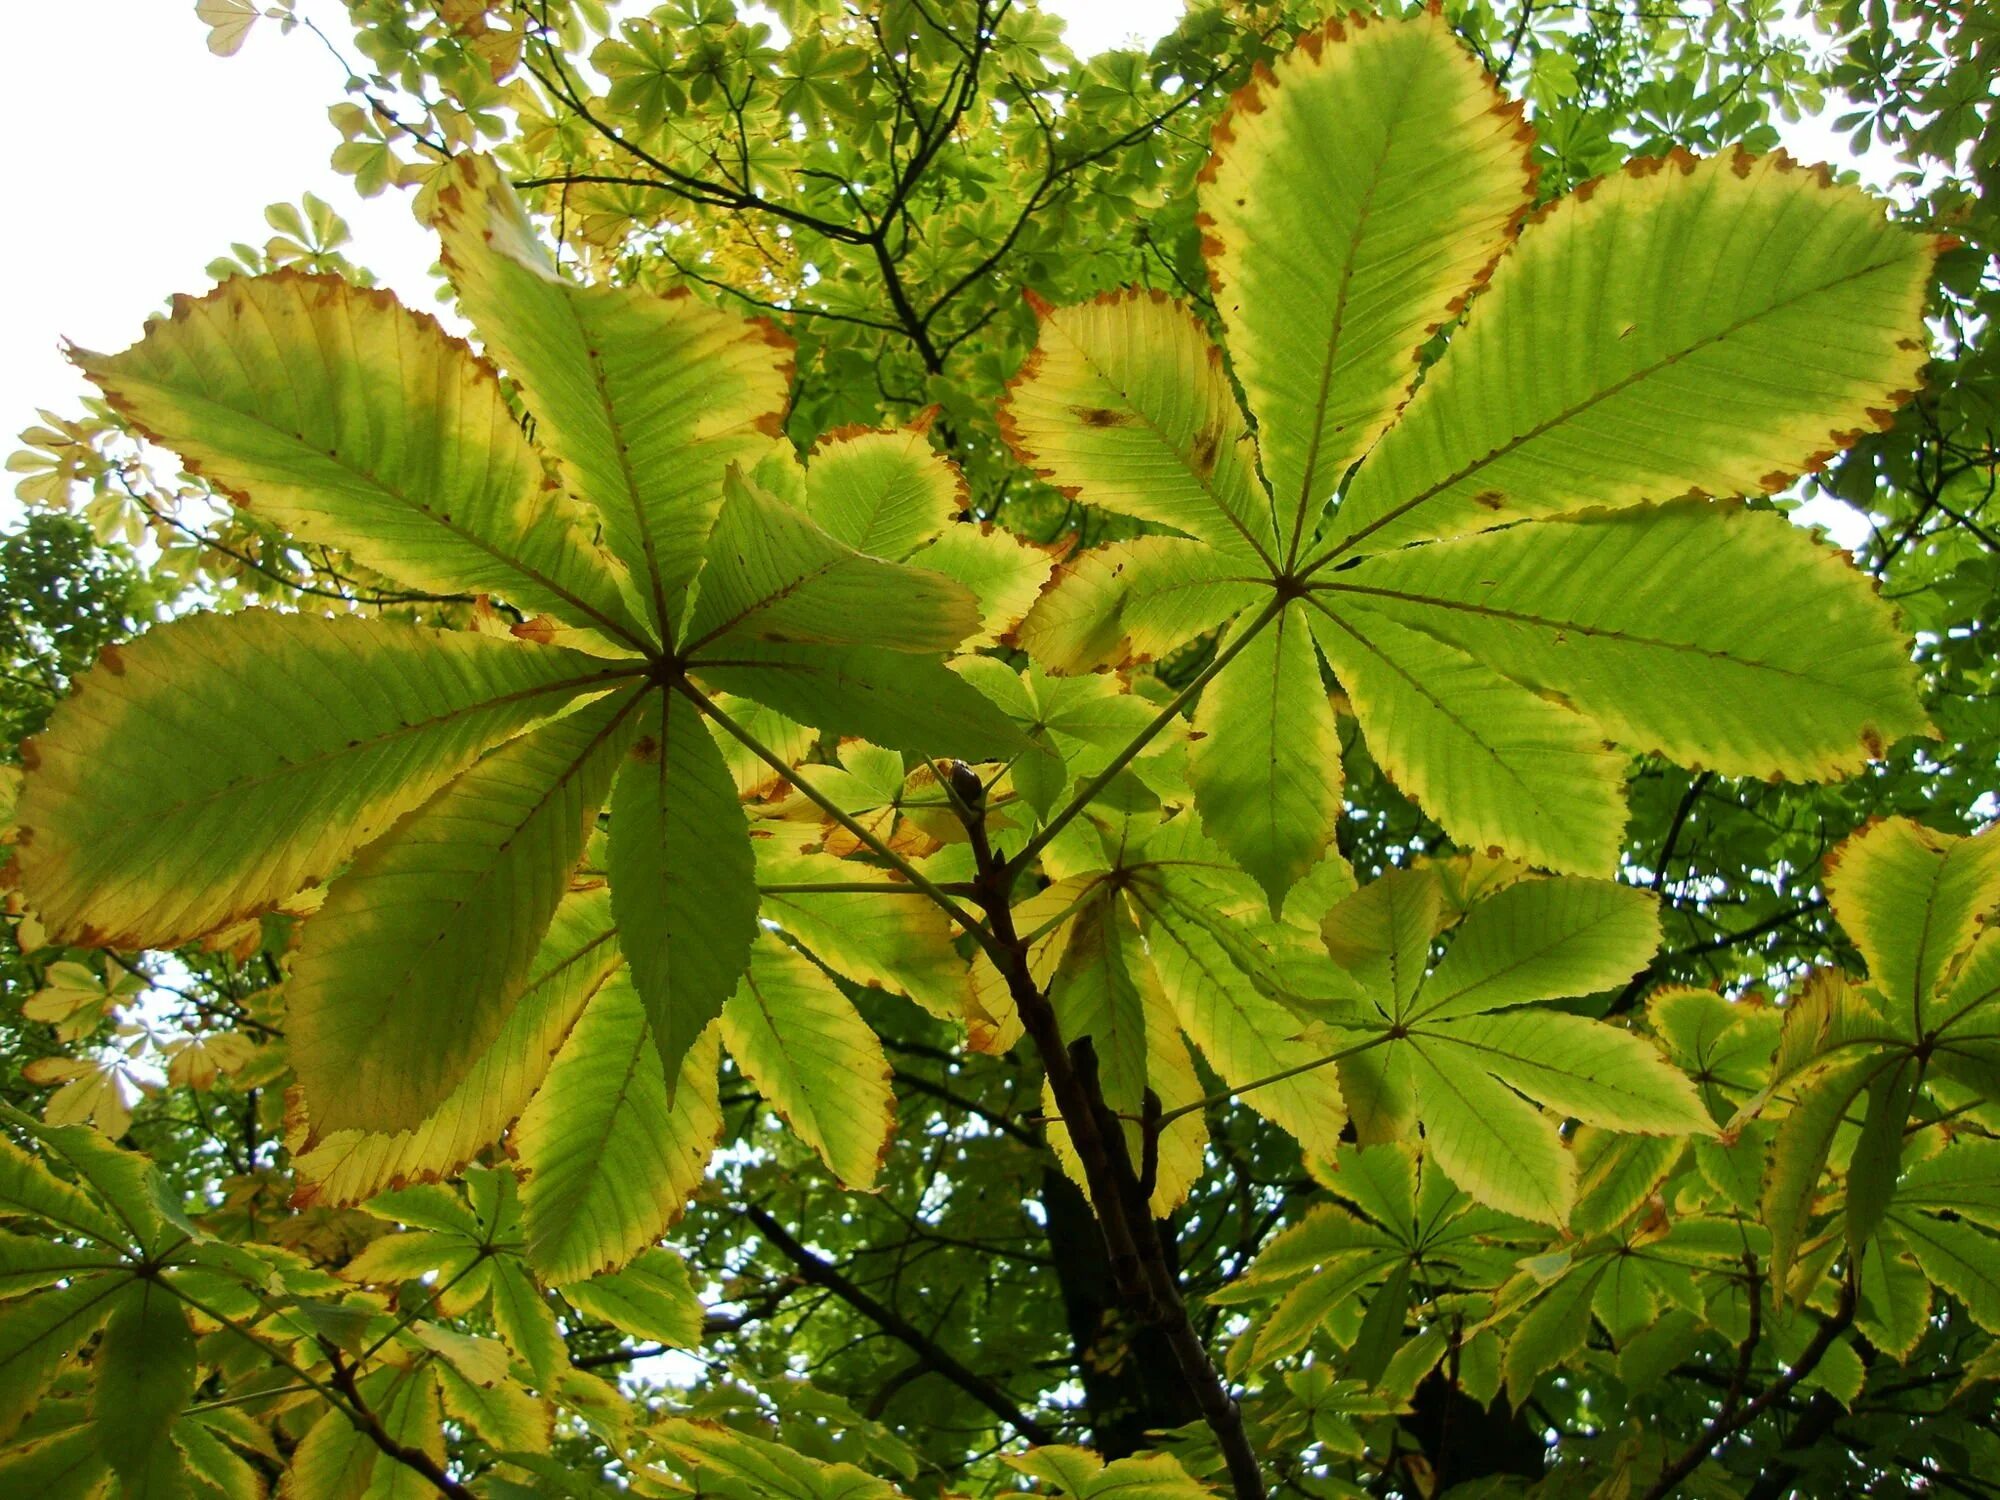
[{"x": 1131, "y": 775}]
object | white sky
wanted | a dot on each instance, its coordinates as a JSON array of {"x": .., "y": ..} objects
[{"x": 138, "y": 158}]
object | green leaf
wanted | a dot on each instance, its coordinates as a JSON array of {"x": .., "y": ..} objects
[
  {"x": 344, "y": 418},
  {"x": 1490, "y": 1141},
  {"x": 62, "y": 1465},
  {"x": 124, "y": 1182},
  {"x": 722, "y": 1461},
  {"x": 1552, "y": 1332},
  {"x": 1878, "y": 1151},
  {"x": 1585, "y": 1069},
  {"x": 814, "y": 1059},
  {"x": 1381, "y": 934},
  {"x": 1913, "y": 900},
  {"x": 1245, "y": 1036},
  {"x": 1083, "y": 1475},
  {"x": 683, "y": 879},
  {"x": 1265, "y": 766},
  {"x": 1358, "y": 192},
  {"x": 775, "y": 576},
  {"x": 1713, "y": 635},
  {"x": 28, "y": 1265},
  {"x": 1135, "y": 602},
  {"x": 28, "y": 1188},
  {"x": 410, "y": 970},
  {"x": 1096, "y": 996},
  {"x": 1124, "y": 404},
  {"x": 1799, "y": 1152},
  {"x": 153, "y": 817},
  {"x": 1006, "y": 574},
  {"x": 1381, "y": 1327},
  {"x": 505, "y": 1417},
  {"x": 643, "y": 401},
  {"x": 1961, "y": 1259},
  {"x": 650, "y": 1299},
  {"x": 1663, "y": 311},
  {"x": 899, "y": 942},
  {"x": 883, "y": 493},
  {"x": 1542, "y": 939},
  {"x": 39, "y": 1332},
  {"x": 608, "y": 1160},
  {"x": 892, "y": 698},
  {"x": 577, "y": 956},
  {"x": 412, "y": 1415},
  {"x": 1615, "y": 1175},
  {"x": 526, "y": 1323},
  {"x": 1496, "y": 764},
  {"x": 145, "y": 1366}
]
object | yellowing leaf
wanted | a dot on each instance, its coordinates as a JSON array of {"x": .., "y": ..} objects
[
  {"x": 1418, "y": 172},
  {"x": 607, "y": 1161},
  {"x": 814, "y": 1059}
]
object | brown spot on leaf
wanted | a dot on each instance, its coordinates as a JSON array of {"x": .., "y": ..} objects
[
  {"x": 646, "y": 748},
  {"x": 112, "y": 660},
  {"x": 1490, "y": 499},
  {"x": 1102, "y": 416},
  {"x": 1207, "y": 449},
  {"x": 542, "y": 629},
  {"x": 1871, "y": 741}
]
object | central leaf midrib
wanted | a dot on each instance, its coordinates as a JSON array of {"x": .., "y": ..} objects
[
  {"x": 1545, "y": 622},
  {"x": 575, "y": 685}
]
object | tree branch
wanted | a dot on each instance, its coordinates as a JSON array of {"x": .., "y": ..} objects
[{"x": 825, "y": 1274}]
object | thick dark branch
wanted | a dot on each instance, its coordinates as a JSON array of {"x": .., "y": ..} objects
[
  {"x": 1731, "y": 1419},
  {"x": 1630, "y": 994},
  {"x": 1145, "y": 1281},
  {"x": 363, "y": 1417},
  {"x": 823, "y": 1273}
]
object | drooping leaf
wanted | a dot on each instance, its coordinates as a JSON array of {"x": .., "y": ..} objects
[
  {"x": 683, "y": 879},
  {"x": 814, "y": 1059},
  {"x": 608, "y": 1161},
  {"x": 1265, "y": 767},
  {"x": 410, "y": 970}
]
